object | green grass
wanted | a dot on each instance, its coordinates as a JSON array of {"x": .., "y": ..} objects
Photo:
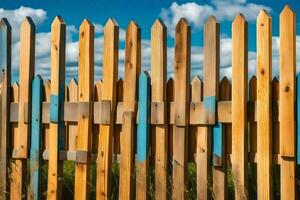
[{"x": 69, "y": 171}]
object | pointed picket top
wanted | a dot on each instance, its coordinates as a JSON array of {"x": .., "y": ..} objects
[
  {"x": 144, "y": 75},
  {"x": 27, "y": 22},
  {"x": 170, "y": 80},
  {"x": 275, "y": 79},
  {"x": 133, "y": 25},
  {"x": 182, "y": 23},
  {"x": 158, "y": 25},
  {"x": 111, "y": 23},
  {"x": 253, "y": 79},
  {"x": 4, "y": 24},
  {"x": 239, "y": 19},
  {"x": 225, "y": 89},
  {"x": 85, "y": 24},
  {"x": 287, "y": 12},
  {"x": 73, "y": 82},
  {"x": 47, "y": 88},
  {"x": 196, "y": 79},
  {"x": 38, "y": 77},
  {"x": 211, "y": 21},
  {"x": 15, "y": 92},
  {"x": 263, "y": 16},
  {"x": 225, "y": 81},
  {"x": 58, "y": 21}
]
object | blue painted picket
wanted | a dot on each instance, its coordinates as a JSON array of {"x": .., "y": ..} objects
[
  {"x": 218, "y": 137},
  {"x": 143, "y": 129},
  {"x": 36, "y": 138},
  {"x": 210, "y": 106}
]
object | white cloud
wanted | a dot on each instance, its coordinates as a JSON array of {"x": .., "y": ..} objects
[
  {"x": 196, "y": 14},
  {"x": 15, "y": 18}
]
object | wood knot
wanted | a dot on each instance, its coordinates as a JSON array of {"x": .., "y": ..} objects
[{"x": 287, "y": 89}]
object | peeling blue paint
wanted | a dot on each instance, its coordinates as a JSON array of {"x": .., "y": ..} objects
[{"x": 143, "y": 129}]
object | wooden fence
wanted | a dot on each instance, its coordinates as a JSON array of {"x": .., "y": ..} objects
[{"x": 165, "y": 123}]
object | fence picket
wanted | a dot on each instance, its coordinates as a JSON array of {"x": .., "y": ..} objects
[
  {"x": 85, "y": 91},
  {"x": 72, "y": 127},
  {"x": 287, "y": 102},
  {"x": 5, "y": 63},
  {"x": 219, "y": 148},
  {"x": 181, "y": 112},
  {"x": 110, "y": 76},
  {"x": 36, "y": 136},
  {"x": 143, "y": 137},
  {"x": 132, "y": 71},
  {"x": 14, "y": 184},
  {"x": 239, "y": 159},
  {"x": 27, "y": 53},
  {"x": 159, "y": 85},
  {"x": 264, "y": 109},
  {"x": 57, "y": 95}
]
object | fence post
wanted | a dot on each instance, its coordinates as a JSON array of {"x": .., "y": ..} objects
[
  {"x": 110, "y": 77},
  {"x": 159, "y": 85},
  {"x": 264, "y": 109},
  {"x": 132, "y": 71},
  {"x": 85, "y": 91},
  {"x": 57, "y": 95},
  {"x": 143, "y": 136},
  {"x": 287, "y": 103},
  {"x": 239, "y": 159},
  {"x": 36, "y": 138},
  {"x": 181, "y": 106},
  {"x": 5, "y": 62}
]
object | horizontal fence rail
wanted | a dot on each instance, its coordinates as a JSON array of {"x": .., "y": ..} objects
[{"x": 149, "y": 127}]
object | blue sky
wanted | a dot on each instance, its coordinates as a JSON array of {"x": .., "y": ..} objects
[{"x": 144, "y": 13}]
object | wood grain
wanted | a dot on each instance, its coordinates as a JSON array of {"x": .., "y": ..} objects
[
  {"x": 239, "y": 157},
  {"x": 181, "y": 112},
  {"x": 287, "y": 98},
  {"x": 159, "y": 85},
  {"x": 132, "y": 71},
  {"x": 264, "y": 114},
  {"x": 110, "y": 76},
  {"x": 56, "y": 143},
  {"x": 5, "y": 64}
]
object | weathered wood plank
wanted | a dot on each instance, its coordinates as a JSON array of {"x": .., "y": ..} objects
[
  {"x": 159, "y": 85},
  {"x": 46, "y": 127},
  {"x": 143, "y": 137},
  {"x": 110, "y": 76},
  {"x": 72, "y": 127},
  {"x": 287, "y": 96},
  {"x": 21, "y": 138},
  {"x": 264, "y": 114},
  {"x": 5, "y": 64},
  {"x": 85, "y": 91},
  {"x": 239, "y": 157},
  {"x": 36, "y": 139},
  {"x": 132, "y": 71},
  {"x": 14, "y": 179},
  {"x": 181, "y": 112},
  {"x": 219, "y": 148},
  {"x": 56, "y": 143},
  {"x": 253, "y": 125}
]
